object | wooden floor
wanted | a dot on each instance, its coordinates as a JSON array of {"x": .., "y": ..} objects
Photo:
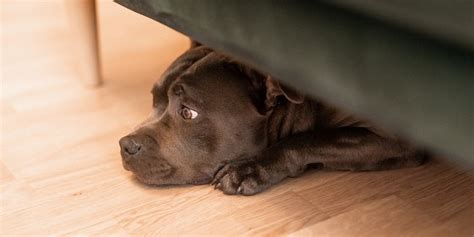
[{"x": 61, "y": 171}]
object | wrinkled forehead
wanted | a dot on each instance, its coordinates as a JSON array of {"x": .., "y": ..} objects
[
  {"x": 206, "y": 67},
  {"x": 212, "y": 80},
  {"x": 213, "y": 72},
  {"x": 179, "y": 66}
]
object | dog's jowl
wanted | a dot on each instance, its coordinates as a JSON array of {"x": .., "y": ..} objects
[{"x": 215, "y": 120}]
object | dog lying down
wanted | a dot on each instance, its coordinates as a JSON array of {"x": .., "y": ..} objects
[{"x": 217, "y": 121}]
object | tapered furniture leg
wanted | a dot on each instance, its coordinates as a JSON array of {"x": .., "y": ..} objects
[{"x": 83, "y": 24}]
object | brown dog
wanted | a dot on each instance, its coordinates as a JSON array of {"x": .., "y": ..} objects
[{"x": 218, "y": 121}]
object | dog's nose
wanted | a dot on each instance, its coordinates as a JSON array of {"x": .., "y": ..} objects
[{"x": 130, "y": 145}]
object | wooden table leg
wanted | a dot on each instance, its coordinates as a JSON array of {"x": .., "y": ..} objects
[{"x": 83, "y": 24}]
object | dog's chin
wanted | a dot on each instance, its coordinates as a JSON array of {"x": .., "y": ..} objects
[
  {"x": 149, "y": 181},
  {"x": 152, "y": 176},
  {"x": 201, "y": 180},
  {"x": 156, "y": 180},
  {"x": 169, "y": 180}
]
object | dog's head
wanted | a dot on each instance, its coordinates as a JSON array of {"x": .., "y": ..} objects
[{"x": 207, "y": 109}]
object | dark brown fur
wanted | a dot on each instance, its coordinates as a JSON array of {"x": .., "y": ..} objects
[{"x": 251, "y": 131}]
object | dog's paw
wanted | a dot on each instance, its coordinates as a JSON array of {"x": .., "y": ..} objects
[{"x": 244, "y": 177}]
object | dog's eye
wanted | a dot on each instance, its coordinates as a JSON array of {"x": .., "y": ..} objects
[{"x": 188, "y": 113}]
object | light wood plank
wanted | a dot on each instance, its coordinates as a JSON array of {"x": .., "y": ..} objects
[
  {"x": 385, "y": 217},
  {"x": 5, "y": 175}
]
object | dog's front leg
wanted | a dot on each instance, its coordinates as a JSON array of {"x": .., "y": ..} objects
[{"x": 349, "y": 148}]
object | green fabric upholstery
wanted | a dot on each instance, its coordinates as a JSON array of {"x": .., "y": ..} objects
[{"x": 408, "y": 65}]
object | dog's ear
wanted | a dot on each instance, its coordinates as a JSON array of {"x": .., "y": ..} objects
[
  {"x": 267, "y": 92},
  {"x": 274, "y": 90}
]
